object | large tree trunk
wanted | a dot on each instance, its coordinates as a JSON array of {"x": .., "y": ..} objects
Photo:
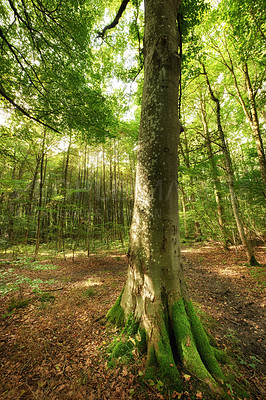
[{"x": 155, "y": 295}]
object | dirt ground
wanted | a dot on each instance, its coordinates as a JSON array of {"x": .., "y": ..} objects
[{"x": 53, "y": 346}]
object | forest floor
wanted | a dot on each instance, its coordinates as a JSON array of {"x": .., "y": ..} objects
[{"x": 53, "y": 344}]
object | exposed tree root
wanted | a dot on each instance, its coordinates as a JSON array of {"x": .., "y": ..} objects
[{"x": 176, "y": 338}]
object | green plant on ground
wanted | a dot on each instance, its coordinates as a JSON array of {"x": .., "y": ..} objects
[
  {"x": 46, "y": 297},
  {"x": 45, "y": 300},
  {"x": 19, "y": 281},
  {"x": 28, "y": 263},
  {"x": 258, "y": 273},
  {"x": 252, "y": 363},
  {"x": 91, "y": 292},
  {"x": 15, "y": 303},
  {"x": 232, "y": 336}
]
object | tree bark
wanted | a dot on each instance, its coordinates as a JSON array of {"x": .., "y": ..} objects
[
  {"x": 42, "y": 177},
  {"x": 155, "y": 297},
  {"x": 63, "y": 225},
  {"x": 30, "y": 199}
]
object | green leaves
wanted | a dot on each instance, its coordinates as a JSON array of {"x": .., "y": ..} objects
[{"x": 46, "y": 61}]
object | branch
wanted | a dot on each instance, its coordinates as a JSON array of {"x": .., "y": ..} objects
[
  {"x": 15, "y": 53},
  {"x": 116, "y": 20},
  {"x": 23, "y": 111},
  {"x": 213, "y": 97}
]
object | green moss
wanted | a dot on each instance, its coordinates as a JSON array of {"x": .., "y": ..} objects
[
  {"x": 116, "y": 314},
  {"x": 202, "y": 343},
  {"x": 123, "y": 350},
  {"x": 161, "y": 366},
  {"x": 220, "y": 356},
  {"x": 141, "y": 341},
  {"x": 131, "y": 326},
  {"x": 211, "y": 339},
  {"x": 18, "y": 303},
  {"x": 130, "y": 337},
  {"x": 160, "y": 361},
  {"x": 165, "y": 359},
  {"x": 151, "y": 358},
  {"x": 186, "y": 345}
]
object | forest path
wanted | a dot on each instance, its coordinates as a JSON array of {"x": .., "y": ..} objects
[
  {"x": 50, "y": 348},
  {"x": 233, "y": 294}
]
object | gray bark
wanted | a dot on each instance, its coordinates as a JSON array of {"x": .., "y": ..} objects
[
  {"x": 154, "y": 258},
  {"x": 155, "y": 294}
]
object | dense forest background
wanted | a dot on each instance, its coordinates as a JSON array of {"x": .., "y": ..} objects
[{"x": 70, "y": 108}]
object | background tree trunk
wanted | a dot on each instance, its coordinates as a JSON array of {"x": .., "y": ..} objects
[
  {"x": 215, "y": 175},
  {"x": 230, "y": 177},
  {"x": 42, "y": 177}
]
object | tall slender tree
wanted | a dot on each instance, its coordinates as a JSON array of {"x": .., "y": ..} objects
[
  {"x": 230, "y": 177},
  {"x": 215, "y": 175}
]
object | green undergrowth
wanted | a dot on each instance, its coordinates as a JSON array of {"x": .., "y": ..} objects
[
  {"x": 130, "y": 343},
  {"x": 89, "y": 293},
  {"x": 17, "y": 303},
  {"x": 258, "y": 273},
  {"x": 194, "y": 352},
  {"x": 13, "y": 275},
  {"x": 29, "y": 264},
  {"x": 18, "y": 282},
  {"x": 51, "y": 249}
]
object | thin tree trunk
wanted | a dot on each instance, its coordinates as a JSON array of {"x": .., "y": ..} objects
[
  {"x": 64, "y": 192},
  {"x": 186, "y": 158},
  {"x": 184, "y": 207},
  {"x": 254, "y": 123},
  {"x": 215, "y": 175},
  {"x": 250, "y": 112},
  {"x": 31, "y": 195},
  {"x": 230, "y": 178},
  {"x": 115, "y": 203},
  {"x": 42, "y": 177}
]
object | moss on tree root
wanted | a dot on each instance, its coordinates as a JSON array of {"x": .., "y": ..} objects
[
  {"x": 177, "y": 337},
  {"x": 116, "y": 314},
  {"x": 160, "y": 361},
  {"x": 204, "y": 348}
]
